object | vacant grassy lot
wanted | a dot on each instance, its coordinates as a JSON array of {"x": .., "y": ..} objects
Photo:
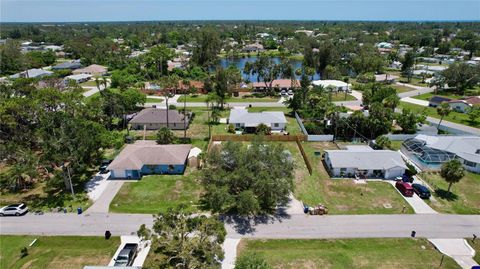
[
  {"x": 202, "y": 98},
  {"x": 465, "y": 197},
  {"x": 400, "y": 88},
  {"x": 154, "y": 100},
  {"x": 156, "y": 193},
  {"x": 347, "y": 253},
  {"x": 456, "y": 117},
  {"x": 56, "y": 251},
  {"x": 395, "y": 145},
  {"x": 37, "y": 199},
  {"x": 344, "y": 196},
  {"x": 90, "y": 83}
]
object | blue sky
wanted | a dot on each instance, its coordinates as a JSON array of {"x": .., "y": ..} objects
[{"x": 144, "y": 10}]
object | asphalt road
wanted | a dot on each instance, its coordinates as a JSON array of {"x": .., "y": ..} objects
[{"x": 287, "y": 226}]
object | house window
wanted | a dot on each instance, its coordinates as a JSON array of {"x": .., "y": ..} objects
[
  {"x": 343, "y": 170},
  {"x": 275, "y": 125},
  {"x": 478, "y": 151},
  {"x": 467, "y": 163},
  {"x": 171, "y": 168}
]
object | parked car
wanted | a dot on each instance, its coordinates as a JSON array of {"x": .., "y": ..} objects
[
  {"x": 407, "y": 178},
  {"x": 104, "y": 165},
  {"x": 290, "y": 92},
  {"x": 13, "y": 210},
  {"x": 127, "y": 255},
  {"x": 421, "y": 191},
  {"x": 405, "y": 188},
  {"x": 283, "y": 93}
]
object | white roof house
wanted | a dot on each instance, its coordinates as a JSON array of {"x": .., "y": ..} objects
[
  {"x": 467, "y": 148},
  {"x": 32, "y": 73},
  {"x": 364, "y": 162},
  {"x": 241, "y": 118},
  {"x": 337, "y": 84},
  {"x": 79, "y": 78}
]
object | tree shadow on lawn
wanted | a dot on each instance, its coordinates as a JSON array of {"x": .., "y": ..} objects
[
  {"x": 246, "y": 224},
  {"x": 443, "y": 194}
]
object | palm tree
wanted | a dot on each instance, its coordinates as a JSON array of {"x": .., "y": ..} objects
[
  {"x": 209, "y": 99},
  {"x": 452, "y": 171},
  {"x": 346, "y": 79},
  {"x": 443, "y": 110},
  {"x": 186, "y": 88}
]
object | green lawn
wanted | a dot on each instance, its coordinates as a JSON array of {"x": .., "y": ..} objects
[
  {"x": 37, "y": 199},
  {"x": 202, "y": 98},
  {"x": 56, "y": 251},
  {"x": 347, "y": 253},
  {"x": 154, "y": 100},
  {"x": 400, "y": 88},
  {"x": 156, "y": 193},
  {"x": 427, "y": 96},
  {"x": 465, "y": 198},
  {"x": 342, "y": 196},
  {"x": 413, "y": 81},
  {"x": 395, "y": 145},
  {"x": 339, "y": 96},
  {"x": 476, "y": 247},
  {"x": 456, "y": 117},
  {"x": 90, "y": 83}
]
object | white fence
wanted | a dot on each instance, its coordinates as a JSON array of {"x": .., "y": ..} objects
[{"x": 313, "y": 138}]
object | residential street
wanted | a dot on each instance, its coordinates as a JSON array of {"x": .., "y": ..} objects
[{"x": 286, "y": 226}]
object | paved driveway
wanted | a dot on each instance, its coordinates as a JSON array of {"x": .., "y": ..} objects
[
  {"x": 102, "y": 204},
  {"x": 417, "y": 203},
  {"x": 458, "y": 249}
]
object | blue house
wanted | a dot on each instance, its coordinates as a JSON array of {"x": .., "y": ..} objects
[{"x": 148, "y": 158}]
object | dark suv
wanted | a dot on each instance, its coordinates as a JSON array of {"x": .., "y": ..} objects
[{"x": 421, "y": 191}]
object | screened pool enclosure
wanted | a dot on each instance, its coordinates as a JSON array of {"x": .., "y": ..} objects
[{"x": 424, "y": 156}]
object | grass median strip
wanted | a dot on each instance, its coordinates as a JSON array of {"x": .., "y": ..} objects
[{"x": 56, "y": 251}]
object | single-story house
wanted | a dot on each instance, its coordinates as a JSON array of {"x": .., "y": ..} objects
[
  {"x": 256, "y": 47},
  {"x": 336, "y": 85},
  {"x": 72, "y": 65},
  {"x": 364, "y": 162},
  {"x": 79, "y": 78},
  {"x": 429, "y": 152},
  {"x": 32, "y": 73},
  {"x": 437, "y": 100},
  {"x": 94, "y": 70},
  {"x": 280, "y": 84},
  {"x": 146, "y": 157},
  {"x": 387, "y": 78},
  {"x": 248, "y": 121},
  {"x": 156, "y": 118},
  {"x": 465, "y": 104}
]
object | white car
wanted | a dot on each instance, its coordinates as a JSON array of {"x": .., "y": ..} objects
[
  {"x": 13, "y": 210},
  {"x": 290, "y": 92}
]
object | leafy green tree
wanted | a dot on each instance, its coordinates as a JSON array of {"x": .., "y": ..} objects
[
  {"x": 266, "y": 69},
  {"x": 180, "y": 240},
  {"x": 11, "y": 57},
  {"x": 251, "y": 260},
  {"x": 452, "y": 172},
  {"x": 408, "y": 120},
  {"x": 408, "y": 61},
  {"x": 165, "y": 136},
  {"x": 443, "y": 110},
  {"x": 207, "y": 47},
  {"x": 156, "y": 60},
  {"x": 383, "y": 142},
  {"x": 263, "y": 129},
  {"x": 462, "y": 76},
  {"x": 474, "y": 114},
  {"x": 236, "y": 178}
]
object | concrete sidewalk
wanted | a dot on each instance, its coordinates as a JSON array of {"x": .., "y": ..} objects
[
  {"x": 414, "y": 101},
  {"x": 458, "y": 249},
  {"x": 230, "y": 249}
]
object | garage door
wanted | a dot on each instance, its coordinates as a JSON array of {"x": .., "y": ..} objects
[{"x": 119, "y": 173}]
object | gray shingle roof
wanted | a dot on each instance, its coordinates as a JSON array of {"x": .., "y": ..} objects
[
  {"x": 368, "y": 159},
  {"x": 147, "y": 152},
  {"x": 157, "y": 115},
  {"x": 67, "y": 65}
]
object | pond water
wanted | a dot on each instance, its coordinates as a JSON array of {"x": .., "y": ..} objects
[{"x": 240, "y": 64}]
